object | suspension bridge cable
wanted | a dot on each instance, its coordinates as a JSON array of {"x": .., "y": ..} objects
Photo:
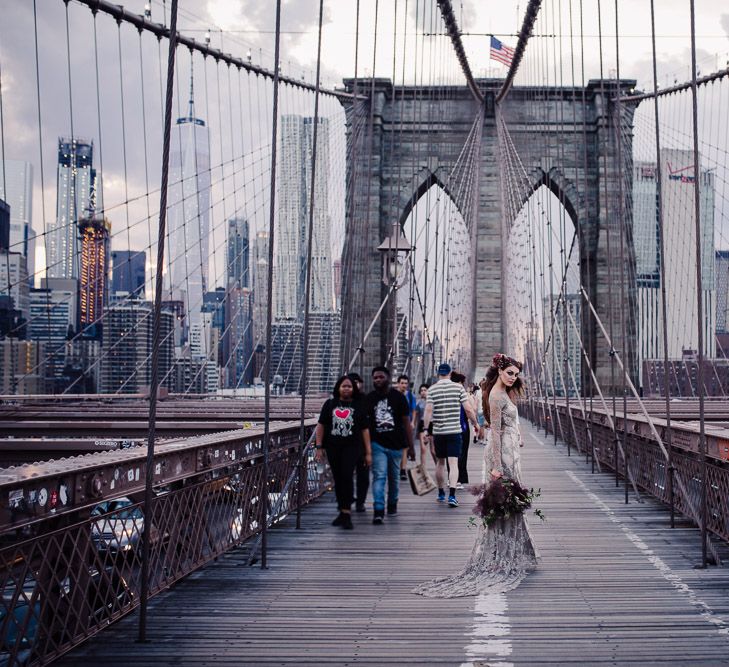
[
  {"x": 149, "y": 469},
  {"x": 269, "y": 304}
]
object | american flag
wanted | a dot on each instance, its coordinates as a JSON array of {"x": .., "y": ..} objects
[{"x": 501, "y": 52}]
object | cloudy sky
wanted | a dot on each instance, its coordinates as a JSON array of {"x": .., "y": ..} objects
[{"x": 129, "y": 79}]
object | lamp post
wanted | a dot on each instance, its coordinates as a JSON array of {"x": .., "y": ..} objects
[{"x": 395, "y": 250}]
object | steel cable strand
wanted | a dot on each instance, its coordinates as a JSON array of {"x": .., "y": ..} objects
[
  {"x": 120, "y": 14},
  {"x": 148, "y": 506},
  {"x": 525, "y": 179},
  {"x": 618, "y": 138},
  {"x": 7, "y": 251},
  {"x": 562, "y": 282},
  {"x": 699, "y": 296},
  {"x": 307, "y": 303},
  {"x": 349, "y": 256},
  {"x": 122, "y": 109},
  {"x": 563, "y": 233}
]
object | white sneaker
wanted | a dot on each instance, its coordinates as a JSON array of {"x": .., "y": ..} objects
[{"x": 459, "y": 485}]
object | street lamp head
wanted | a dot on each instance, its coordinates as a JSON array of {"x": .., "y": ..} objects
[
  {"x": 395, "y": 248},
  {"x": 396, "y": 243}
]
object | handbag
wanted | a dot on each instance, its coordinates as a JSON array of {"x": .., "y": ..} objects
[{"x": 420, "y": 481}]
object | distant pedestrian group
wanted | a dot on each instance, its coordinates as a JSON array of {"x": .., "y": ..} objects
[{"x": 376, "y": 433}]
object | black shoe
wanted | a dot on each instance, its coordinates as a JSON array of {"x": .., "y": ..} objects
[
  {"x": 379, "y": 517},
  {"x": 339, "y": 520},
  {"x": 392, "y": 509},
  {"x": 346, "y": 522},
  {"x": 403, "y": 476},
  {"x": 361, "y": 507}
]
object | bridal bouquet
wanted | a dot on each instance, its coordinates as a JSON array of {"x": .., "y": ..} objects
[{"x": 501, "y": 499}]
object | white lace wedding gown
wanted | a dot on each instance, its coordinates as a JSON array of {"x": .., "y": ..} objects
[{"x": 504, "y": 552}]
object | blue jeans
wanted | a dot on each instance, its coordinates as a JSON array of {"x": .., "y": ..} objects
[{"x": 385, "y": 465}]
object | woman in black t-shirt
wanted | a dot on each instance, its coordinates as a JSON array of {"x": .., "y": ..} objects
[{"x": 341, "y": 432}]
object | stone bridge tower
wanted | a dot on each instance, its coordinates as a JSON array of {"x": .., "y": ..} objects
[{"x": 405, "y": 139}]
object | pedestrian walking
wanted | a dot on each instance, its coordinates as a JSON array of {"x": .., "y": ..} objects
[
  {"x": 420, "y": 433},
  {"x": 362, "y": 470},
  {"x": 391, "y": 432},
  {"x": 342, "y": 432},
  {"x": 459, "y": 378},
  {"x": 403, "y": 386},
  {"x": 443, "y": 408}
]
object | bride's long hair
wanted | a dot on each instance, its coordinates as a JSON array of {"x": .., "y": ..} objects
[{"x": 499, "y": 362}]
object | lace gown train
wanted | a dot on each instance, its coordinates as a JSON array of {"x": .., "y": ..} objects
[{"x": 504, "y": 552}]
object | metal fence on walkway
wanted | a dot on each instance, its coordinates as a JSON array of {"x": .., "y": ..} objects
[
  {"x": 71, "y": 530},
  {"x": 675, "y": 479}
]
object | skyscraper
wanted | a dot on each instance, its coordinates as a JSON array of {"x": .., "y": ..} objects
[
  {"x": 93, "y": 294},
  {"x": 18, "y": 177},
  {"x": 22, "y": 367},
  {"x": 128, "y": 272},
  {"x": 677, "y": 203},
  {"x": 237, "y": 341},
  {"x": 53, "y": 319},
  {"x": 12, "y": 268},
  {"x": 322, "y": 291},
  {"x": 188, "y": 211},
  {"x": 4, "y": 226},
  {"x": 127, "y": 348},
  {"x": 75, "y": 194},
  {"x": 722, "y": 291},
  {"x": 238, "y": 253},
  {"x": 337, "y": 273},
  {"x": 260, "y": 286},
  {"x": 293, "y": 196}
]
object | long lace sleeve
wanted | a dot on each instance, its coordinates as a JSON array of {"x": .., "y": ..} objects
[{"x": 496, "y": 404}]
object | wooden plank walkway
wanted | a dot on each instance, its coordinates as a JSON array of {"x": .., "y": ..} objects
[{"x": 615, "y": 586}]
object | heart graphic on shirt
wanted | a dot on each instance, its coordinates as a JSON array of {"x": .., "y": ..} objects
[{"x": 342, "y": 414}]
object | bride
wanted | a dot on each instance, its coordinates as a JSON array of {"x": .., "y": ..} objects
[{"x": 504, "y": 552}]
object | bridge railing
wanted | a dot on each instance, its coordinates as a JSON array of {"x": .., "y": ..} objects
[
  {"x": 71, "y": 530},
  {"x": 648, "y": 467}
]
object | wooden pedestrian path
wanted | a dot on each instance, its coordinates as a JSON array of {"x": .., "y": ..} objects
[{"x": 616, "y": 586}]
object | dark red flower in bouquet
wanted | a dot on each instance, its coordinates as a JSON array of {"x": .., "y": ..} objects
[{"x": 503, "y": 498}]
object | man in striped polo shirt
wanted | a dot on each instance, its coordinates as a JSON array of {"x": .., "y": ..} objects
[{"x": 443, "y": 408}]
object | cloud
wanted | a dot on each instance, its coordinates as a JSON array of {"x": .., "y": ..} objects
[{"x": 725, "y": 23}]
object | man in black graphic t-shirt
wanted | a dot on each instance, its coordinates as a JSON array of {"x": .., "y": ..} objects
[{"x": 390, "y": 432}]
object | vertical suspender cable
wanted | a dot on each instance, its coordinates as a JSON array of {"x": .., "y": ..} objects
[
  {"x": 7, "y": 250},
  {"x": 154, "y": 382},
  {"x": 699, "y": 294},
  {"x": 40, "y": 151},
  {"x": 349, "y": 253},
  {"x": 370, "y": 151},
  {"x": 662, "y": 269},
  {"x": 307, "y": 295},
  {"x": 621, "y": 222},
  {"x": 608, "y": 243},
  {"x": 269, "y": 305},
  {"x": 584, "y": 314}
]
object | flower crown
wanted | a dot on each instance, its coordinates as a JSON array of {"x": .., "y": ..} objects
[{"x": 501, "y": 361}]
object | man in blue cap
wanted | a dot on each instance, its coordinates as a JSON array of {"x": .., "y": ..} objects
[{"x": 443, "y": 408}]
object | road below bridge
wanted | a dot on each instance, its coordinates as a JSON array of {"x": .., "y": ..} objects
[{"x": 615, "y": 586}]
